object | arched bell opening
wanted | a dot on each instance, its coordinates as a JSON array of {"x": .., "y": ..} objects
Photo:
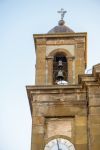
[{"x": 60, "y": 69}]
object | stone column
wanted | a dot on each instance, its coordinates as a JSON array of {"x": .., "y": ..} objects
[
  {"x": 50, "y": 70},
  {"x": 40, "y": 62},
  {"x": 94, "y": 117},
  {"x": 71, "y": 69},
  {"x": 37, "y": 133},
  {"x": 81, "y": 142}
]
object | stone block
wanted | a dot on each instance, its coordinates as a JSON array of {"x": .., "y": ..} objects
[
  {"x": 94, "y": 119},
  {"x": 81, "y": 147},
  {"x": 37, "y": 120},
  {"x": 81, "y": 120},
  {"x": 95, "y": 142},
  {"x": 37, "y": 142},
  {"x": 94, "y": 110},
  {"x": 95, "y": 129},
  {"x": 38, "y": 129},
  {"x": 94, "y": 100},
  {"x": 81, "y": 135}
]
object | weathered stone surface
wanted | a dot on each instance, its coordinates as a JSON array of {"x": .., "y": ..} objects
[
  {"x": 79, "y": 103},
  {"x": 73, "y": 46},
  {"x": 81, "y": 147},
  {"x": 59, "y": 126}
]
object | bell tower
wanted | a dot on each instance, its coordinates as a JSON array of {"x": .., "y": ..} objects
[
  {"x": 60, "y": 45},
  {"x": 58, "y": 103}
]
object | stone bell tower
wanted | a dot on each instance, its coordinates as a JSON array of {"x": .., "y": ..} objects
[
  {"x": 60, "y": 43},
  {"x": 60, "y": 101}
]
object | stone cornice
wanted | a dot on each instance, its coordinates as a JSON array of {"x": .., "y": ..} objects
[
  {"x": 57, "y": 35},
  {"x": 54, "y": 87},
  {"x": 69, "y": 89},
  {"x": 90, "y": 79}
]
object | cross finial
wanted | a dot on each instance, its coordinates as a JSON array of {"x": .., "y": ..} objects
[{"x": 62, "y": 12}]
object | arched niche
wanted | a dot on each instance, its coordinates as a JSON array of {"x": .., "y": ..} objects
[
  {"x": 60, "y": 56},
  {"x": 52, "y": 59}
]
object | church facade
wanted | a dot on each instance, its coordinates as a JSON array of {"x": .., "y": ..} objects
[{"x": 64, "y": 102}]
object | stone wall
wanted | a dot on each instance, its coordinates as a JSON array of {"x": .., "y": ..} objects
[{"x": 76, "y": 107}]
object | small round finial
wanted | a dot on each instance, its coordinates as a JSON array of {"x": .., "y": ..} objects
[{"x": 61, "y": 22}]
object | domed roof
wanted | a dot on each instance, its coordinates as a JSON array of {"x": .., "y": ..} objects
[{"x": 60, "y": 28}]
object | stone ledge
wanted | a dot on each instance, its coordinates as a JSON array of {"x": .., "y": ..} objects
[{"x": 60, "y": 35}]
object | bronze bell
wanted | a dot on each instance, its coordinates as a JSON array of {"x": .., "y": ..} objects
[
  {"x": 60, "y": 63},
  {"x": 60, "y": 75}
]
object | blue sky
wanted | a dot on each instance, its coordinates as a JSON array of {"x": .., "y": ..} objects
[{"x": 19, "y": 19}]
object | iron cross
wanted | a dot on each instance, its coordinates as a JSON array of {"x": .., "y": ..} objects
[{"x": 62, "y": 12}]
